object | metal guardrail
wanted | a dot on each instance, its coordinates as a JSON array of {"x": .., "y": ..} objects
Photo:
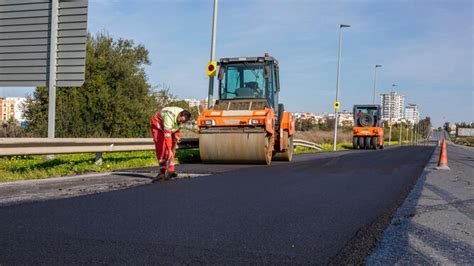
[
  {"x": 46, "y": 146},
  {"x": 43, "y": 146},
  {"x": 307, "y": 144}
]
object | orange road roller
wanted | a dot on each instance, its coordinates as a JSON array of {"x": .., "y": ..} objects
[{"x": 246, "y": 124}]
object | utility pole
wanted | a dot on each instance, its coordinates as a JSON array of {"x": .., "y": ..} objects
[
  {"x": 375, "y": 80},
  {"x": 337, "y": 85},
  {"x": 213, "y": 56}
]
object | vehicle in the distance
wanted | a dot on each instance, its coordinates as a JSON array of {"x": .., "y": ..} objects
[{"x": 368, "y": 130}]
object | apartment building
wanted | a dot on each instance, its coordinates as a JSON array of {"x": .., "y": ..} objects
[
  {"x": 392, "y": 106},
  {"x": 11, "y": 108},
  {"x": 412, "y": 114}
]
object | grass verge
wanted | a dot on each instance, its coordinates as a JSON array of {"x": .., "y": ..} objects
[
  {"x": 466, "y": 141},
  {"x": 325, "y": 146},
  {"x": 38, "y": 167}
]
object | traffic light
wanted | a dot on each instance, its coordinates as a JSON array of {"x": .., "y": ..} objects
[{"x": 211, "y": 69}]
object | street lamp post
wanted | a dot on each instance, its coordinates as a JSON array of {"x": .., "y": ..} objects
[
  {"x": 408, "y": 128},
  {"x": 337, "y": 84},
  {"x": 213, "y": 55},
  {"x": 416, "y": 133},
  {"x": 375, "y": 80},
  {"x": 390, "y": 120},
  {"x": 420, "y": 132},
  {"x": 400, "y": 129},
  {"x": 390, "y": 130}
]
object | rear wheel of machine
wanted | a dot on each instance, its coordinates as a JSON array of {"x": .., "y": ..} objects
[
  {"x": 286, "y": 155},
  {"x": 361, "y": 142},
  {"x": 367, "y": 143},
  {"x": 355, "y": 143},
  {"x": 375, "y": 141}
]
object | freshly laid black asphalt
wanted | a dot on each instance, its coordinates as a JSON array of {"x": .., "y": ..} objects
[{"x": 310, "y": 211}]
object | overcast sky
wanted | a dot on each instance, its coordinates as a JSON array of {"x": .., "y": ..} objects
[{"x": 426, "y": 47}]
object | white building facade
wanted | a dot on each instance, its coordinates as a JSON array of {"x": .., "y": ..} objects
[
  {"x": 193, "y": 102},
  {"x": 412, "y": 115},
  {"x": 12, "y": 108},
  {"x": 392, "y": 106}
]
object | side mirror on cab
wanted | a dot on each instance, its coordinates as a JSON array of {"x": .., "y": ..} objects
[{"x": 266, "y": 72}]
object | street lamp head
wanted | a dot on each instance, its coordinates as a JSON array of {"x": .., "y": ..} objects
[
  {"x": 378, "y": 65},
  {"x": 344, "y": 26},
  {"x": 394, "y": 85}
]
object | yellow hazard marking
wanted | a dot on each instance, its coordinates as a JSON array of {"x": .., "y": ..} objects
[
  {"x": 337, "y": 105},
  {"x": 211, "y": 69}
]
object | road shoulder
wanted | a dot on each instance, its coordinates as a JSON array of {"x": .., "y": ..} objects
[
  {"x": 434, "y": 225},
  {"x": 18, "y": 192}
]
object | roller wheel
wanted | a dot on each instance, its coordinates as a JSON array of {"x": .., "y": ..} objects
[
  {"x": 355, "y": 143},
  {"x": 375, "y": 141},
  {"x": 236, "y": 147},
  {"x": 367, "y": 143},
  {"x": 287, "y": 154},
  {"x": 361, "y": 142}
]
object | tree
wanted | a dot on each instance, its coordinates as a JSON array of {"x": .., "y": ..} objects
[
  {"x": 165, "y": 98},
  {"x": 303, "y": 124},
  {"x": 116, "y": 99},
  {"x": 162, "y": 95},
  {"x": 425, "y": 126},
  {"x": 446, "y": 126}
]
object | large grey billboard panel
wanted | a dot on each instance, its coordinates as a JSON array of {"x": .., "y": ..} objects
[{"x": 25, "y": 44}]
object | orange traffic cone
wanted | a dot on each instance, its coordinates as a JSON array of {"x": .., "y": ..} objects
[{"x": 443, "y": 158}]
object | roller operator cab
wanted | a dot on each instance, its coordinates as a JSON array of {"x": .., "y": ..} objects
[
  {"x": 247, "y": 124},
  {"x": 368, "y": 128}
]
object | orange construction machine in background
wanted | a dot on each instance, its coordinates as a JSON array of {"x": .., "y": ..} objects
[
  {"x": 247, "y": 124},
  {"x": 368, "y": 128}
]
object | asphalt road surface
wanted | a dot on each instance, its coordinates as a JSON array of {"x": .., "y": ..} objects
[{"x": 324, "y": 208}]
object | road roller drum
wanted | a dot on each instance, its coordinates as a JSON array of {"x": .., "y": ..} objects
[{"x": 235, "y": 147}]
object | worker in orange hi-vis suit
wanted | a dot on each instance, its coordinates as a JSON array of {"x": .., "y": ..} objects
[{"x": 165, "y": 126}]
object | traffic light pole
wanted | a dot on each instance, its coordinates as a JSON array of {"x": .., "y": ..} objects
[
  {"x": 213, "y": 56},
  {"x": 334, "y": 147}
]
